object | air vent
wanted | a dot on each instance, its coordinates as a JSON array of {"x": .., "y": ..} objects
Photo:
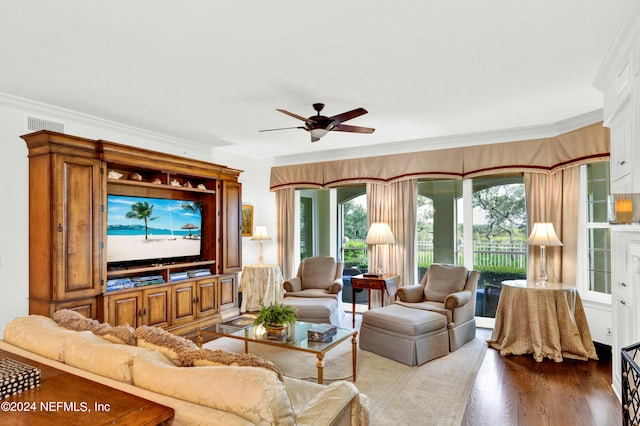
[{"x": 35, "y": 124}]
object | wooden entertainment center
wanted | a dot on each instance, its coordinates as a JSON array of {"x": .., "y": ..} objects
[{"x": 69, "y": 181}]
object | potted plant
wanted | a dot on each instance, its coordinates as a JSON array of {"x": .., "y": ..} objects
[{"x": 275, "y": 318}]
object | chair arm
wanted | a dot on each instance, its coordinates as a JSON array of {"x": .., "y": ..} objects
[
  {"x": 327, "y": 406},
  {"x": 336, "y": 286},
  {"x": 292, "y": 284},
  {"x": 455, "y": 300},
  {"x": 410, "y": 293}
]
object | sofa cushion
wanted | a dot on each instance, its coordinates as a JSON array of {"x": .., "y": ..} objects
[
  {"x": 38, "y": 334},
  {"x": 255, "y": 394},
  {"x": 442, "y": 280},
  {"x": 97, "y": 355},
  {"x": 161, "y": 340},
  {"x": 203, "y": 357}
]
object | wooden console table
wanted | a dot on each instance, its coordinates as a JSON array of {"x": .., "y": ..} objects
[
  {"x": 385, "y": 282},
  {"x": 64, "y": 398}
]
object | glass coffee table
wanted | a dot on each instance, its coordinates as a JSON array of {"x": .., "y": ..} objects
[{"x": 296, "y": 339}]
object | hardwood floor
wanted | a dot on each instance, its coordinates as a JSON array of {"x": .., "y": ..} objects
[{"x": 516, "y": 390}]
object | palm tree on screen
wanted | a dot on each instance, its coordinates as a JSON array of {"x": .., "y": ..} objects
[{"x": 141, "y": 210}]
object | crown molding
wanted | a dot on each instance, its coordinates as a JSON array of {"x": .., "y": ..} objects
[{"x": 69, "y": 117}]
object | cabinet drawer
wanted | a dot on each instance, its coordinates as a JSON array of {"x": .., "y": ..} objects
[{"x": 364, "y": 283}]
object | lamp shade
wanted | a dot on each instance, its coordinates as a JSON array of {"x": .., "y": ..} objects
[
  {"x": 543, "y": 234},
  {"x": 380, "y": 233},
  {"x": 260, "y": 233}
]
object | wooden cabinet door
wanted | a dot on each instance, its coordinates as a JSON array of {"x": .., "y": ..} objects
[
  {"x": 231, "y": 227},
  {"x": 207, "y": 302},
  {"x": 184, "y": 300},
  {"x": 228, "y": 290},
  {"x": 76, "y": 220},
  {"x": 86, "y": 307},
  {"x": 125, "y": 309},
  {"x": 156, "y": 308}
]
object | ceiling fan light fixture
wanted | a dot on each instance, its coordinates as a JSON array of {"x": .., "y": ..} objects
[{"x": 318, "y": 133}]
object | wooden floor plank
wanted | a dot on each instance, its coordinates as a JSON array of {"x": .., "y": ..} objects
[{"x": 516, "y": 390}]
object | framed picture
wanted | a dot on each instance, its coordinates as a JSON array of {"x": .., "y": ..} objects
[{"x": 247, "y": 220}]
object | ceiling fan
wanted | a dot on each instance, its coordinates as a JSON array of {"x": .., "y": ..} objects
[{"x": 319, "y": 125}]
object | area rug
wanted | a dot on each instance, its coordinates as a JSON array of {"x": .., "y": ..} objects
[{"x": 435, "y": 393}]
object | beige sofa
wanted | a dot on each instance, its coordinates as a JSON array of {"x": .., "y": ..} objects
[{"x": 200, "y": 395}]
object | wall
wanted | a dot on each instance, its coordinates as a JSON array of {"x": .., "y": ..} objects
[
  {"x": 14, "y": 237},
  {"x": 14, "y": 258},
  {"x": 255, "y": 192}
]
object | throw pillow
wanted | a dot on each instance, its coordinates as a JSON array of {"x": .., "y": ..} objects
[
  {"x": 201, "y": 357},
  {"x": 122, "y": 334},
  {"x": 73, "y": 320},
  {"x": 164, "y": 342}
]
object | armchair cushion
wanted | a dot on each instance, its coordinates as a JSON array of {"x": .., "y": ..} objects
[
  {"x": 442, "y": 280},
  {"x": 318, "y": 272},
  {"x": 436, "y": 307}
]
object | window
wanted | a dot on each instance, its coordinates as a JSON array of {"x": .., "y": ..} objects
[
  {"x": 308, "y": 223},
  {"x": 596, "y": 264},
  {"x": 499, "y": 234},
  {"x": 353, "y": 227},
  {"x": 439, "y": 231}
]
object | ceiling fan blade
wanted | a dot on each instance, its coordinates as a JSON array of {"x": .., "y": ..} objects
[
  {"x": 299, "y": 117},
  {"x": 337, "y": 119},
  {"x": 282, "y": 128},
  {"x": 354, "y": 129}
]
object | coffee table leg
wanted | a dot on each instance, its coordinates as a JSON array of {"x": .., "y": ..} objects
[
  {"x": 320, "y": 365},
  {"x": 354, "y": 354}
]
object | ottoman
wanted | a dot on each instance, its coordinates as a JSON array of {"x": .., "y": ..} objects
[
  {"x": 321, "y": 310},
  {"x": 408, "y": 335}
]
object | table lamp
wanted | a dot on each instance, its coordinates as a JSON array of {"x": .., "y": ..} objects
[
  {"x": 543, "y": 235},
  {"x": 379, "y": 234},
  {"x": 261, "y": 234}
]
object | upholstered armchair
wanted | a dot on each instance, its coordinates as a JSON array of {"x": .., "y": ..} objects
[
  {"x": 449, "y": 290},
  {"x": 316, "y": 290}
]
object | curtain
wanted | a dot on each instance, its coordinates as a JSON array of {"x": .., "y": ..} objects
[
  {"x": 395, "y": 204},
  {"x": 285, "y": 228},
  {"x": 547, "y": 155},
  {"x": 554, "y": 198}
]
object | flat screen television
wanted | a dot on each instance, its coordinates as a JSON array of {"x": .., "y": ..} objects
[{"x": 152, "y": 229}]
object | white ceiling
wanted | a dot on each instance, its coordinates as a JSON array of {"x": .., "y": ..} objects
[{"x": 214, "y": 72}]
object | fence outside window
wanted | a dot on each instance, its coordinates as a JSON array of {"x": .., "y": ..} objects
[{"x": 513, "y": 255}]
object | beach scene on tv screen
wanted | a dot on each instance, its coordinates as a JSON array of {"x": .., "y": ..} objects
[{"x": 152, "y": 228}]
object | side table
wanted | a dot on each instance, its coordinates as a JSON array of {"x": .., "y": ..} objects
[
  {"x": 546, "y": 320},
  {"x": 385, "y": 282},
  {"x": 261, "y": 284}
]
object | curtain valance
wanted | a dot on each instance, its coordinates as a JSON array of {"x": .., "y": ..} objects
[{"x": 585, "y": 145}]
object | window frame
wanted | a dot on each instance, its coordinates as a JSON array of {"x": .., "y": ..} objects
[{"x": 582, "y": 272}]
